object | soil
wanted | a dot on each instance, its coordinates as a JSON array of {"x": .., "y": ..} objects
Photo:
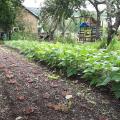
[{"x": 28, "y": 93}]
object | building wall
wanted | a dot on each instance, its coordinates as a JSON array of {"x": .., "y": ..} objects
[{"x": 28, "y": 20}]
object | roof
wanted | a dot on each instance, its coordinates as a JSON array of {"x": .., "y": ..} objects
[{"x": 33, "y": 11}]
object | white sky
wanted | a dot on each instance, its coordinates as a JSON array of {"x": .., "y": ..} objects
[
  {"x": 38, "y": 3},
  {"x": 33, "y": 3}
]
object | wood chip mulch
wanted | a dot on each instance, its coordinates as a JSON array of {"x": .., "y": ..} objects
[{"x": 26, "y": 93}]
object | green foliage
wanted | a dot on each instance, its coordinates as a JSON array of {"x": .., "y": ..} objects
[
  {"x": 54, "y": 13},
  {"x": 23, "y": 36},
  {"x": 103, "y": 43},
  {"x": 67, "y": 39},
  {"x": 101, "y": 67},
  {"x": 114, "y": 45},
  {"x": 8, "y": 10}
]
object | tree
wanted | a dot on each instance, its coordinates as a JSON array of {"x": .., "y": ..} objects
[
  {"x": 8, "y": 10},
  {"x": 58, "y": 11},
  {"x": 113, "y": 11},
  {"x": 96, "y": 4}
]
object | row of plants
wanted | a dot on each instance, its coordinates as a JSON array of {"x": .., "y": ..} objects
[{"x": 101, "y": 67}]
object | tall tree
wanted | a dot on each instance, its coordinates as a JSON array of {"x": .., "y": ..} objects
[
  {"x": 96, "y": 4},
  {"x": 8, "y": 12},
  {"x": 58, "y": 11},
  {"x": 113, "y": 11}
]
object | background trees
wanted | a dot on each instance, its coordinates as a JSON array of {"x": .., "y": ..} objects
[
  {"x": 8, "y": 12},
  {"x": 58, "y": 11},
  {"x": 99, "y": 12},
  {"x": 54, "y": 13},
  {"x": 113, "y": 11}
]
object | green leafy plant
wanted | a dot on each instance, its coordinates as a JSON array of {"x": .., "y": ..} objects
[{"x": 100, "y": 66}]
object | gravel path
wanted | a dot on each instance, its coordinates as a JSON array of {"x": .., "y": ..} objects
[{"x": 27, "y": 93}]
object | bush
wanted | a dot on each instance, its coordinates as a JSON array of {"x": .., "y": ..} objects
[
  {"x": 24, "y": 36},
  {"x": 101, "y": 67},
  {"x": 67, "y": 39},
  {"x": 115, "y": 44}
]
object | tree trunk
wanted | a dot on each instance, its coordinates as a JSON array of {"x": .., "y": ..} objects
[
  {"x": 117, "y": 23},
  {"x": 63, "y": 28},
  {"x": 63, "y": 25},
  {"x": 98, "y": 25},
  {"x": 52, "y": 29},
  {"x": 110, "y": 35},
  {"x": 109, "y": 21},
  {"x": 112, "y": 29}
]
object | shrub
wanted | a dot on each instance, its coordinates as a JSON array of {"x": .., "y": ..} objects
[
  {"x": 24, "y": 36},
  {"x": 67, "y": 39}
]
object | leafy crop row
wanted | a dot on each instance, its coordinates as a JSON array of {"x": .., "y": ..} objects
[{"x": 101, "y": 67}]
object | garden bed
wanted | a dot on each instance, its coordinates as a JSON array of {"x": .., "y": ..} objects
[{"x": 100, "y": 66}]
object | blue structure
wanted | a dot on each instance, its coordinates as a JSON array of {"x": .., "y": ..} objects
[{"x": 84, "y": 24}]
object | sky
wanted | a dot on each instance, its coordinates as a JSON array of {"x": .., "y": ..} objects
[
  {"x": 33, "y": 3},
  {"x": 38, "y": 3}
]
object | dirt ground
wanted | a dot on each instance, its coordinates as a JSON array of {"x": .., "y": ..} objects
[{"x": 27, "y": 93}]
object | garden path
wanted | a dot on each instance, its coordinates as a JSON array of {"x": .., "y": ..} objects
[{"x": 26, "y": 93}]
